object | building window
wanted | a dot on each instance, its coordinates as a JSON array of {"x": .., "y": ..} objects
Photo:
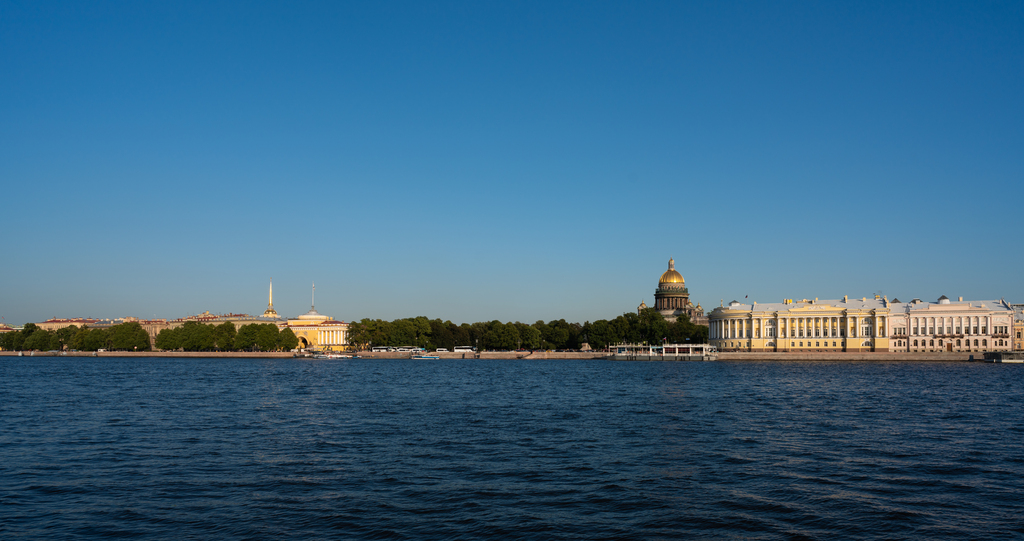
[
  {"x": 915, "y": 343},
  {"x": 801, "y": 344},
  {"x": 975, "y": 342},
  {"x": 958, "y": 343},
  {"x": 984, "y": 342},
  {"x": 833, "y": 344},
  {"x": 817, "y": 344},
  {"x": 931, "y": 342},
  {"x": 983, "y": 329},
  {"x": 792, "y": 344}
]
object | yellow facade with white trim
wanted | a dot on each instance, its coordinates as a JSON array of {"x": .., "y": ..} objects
[{"x": 801, "y": 326}]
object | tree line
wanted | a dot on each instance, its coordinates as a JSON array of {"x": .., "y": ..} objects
[
  {"x": 195, "y": 336},
  {"x": 647, "y": 327},
  {"x": 122, "y": 337}
]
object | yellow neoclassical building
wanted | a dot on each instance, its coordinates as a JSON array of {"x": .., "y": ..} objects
[
  {"x": 802, "y": 326},
  {"x": 315, "y": 330}
]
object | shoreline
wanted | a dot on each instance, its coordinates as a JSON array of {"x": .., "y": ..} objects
[{"x": 527, "y": 355}]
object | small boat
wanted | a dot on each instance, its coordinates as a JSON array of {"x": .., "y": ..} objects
[{"x": 424, "y": 357}]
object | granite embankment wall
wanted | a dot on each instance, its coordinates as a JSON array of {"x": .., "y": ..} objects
[
  {"x": 183, "y": 354},
  {"x": 841, "y": 356},
  {"x": 539, "y": 355},
  {"x": 490, "y": 355}
]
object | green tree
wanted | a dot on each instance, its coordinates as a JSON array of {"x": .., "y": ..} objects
[
  {"x": 128, "y": 337},
  {"x": 266, "y": 337},
  {"x": 287, "y": 340},
  {"x": 38, "y": 339},
  {"x": 94, "y": 339},
  {"x": 246, "y": 338},
  {"x": 224, "y": 336},
  {"x": 441, "y": 335},
  {"x": 196, "y": 336},
  {"x": 64, "y": 337},
  {"x": 653, "y": 327},
  {"x": 501, "y": 336},
  {"x": 529, "y": 336},
  {"x": 168, "y": 339},
  {"x": 461, "y": 335}
]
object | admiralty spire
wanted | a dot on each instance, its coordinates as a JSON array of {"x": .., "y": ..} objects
[{"x": 270, "y": 312}]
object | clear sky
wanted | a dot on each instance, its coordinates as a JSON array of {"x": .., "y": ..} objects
[{"x": 515, "y": 161}]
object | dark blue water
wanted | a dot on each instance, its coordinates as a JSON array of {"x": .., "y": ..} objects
[{"x": 231, "y": 449}]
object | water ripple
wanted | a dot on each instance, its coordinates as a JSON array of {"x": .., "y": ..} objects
[{"x": 232, "y": 448}]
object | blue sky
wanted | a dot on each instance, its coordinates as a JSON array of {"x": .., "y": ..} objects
[{"x": 514, "y": 161}]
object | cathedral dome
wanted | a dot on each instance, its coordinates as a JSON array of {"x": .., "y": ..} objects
[{"x": 671, "y": 276}]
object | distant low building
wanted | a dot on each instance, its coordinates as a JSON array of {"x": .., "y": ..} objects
[{"x": 55, "y": 324}]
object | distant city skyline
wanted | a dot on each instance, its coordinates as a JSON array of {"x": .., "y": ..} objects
[{"x": 517, "y": 162}]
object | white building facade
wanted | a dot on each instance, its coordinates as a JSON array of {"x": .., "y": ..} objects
[{"x": 946, "y": 325}]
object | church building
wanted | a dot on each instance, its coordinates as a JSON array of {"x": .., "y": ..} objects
[{"x": 672, "y": 298}]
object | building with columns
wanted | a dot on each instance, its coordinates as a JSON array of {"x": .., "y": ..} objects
[
  {"x": 801, "y": 326},
  {"x": 672, "y": 298},
  {"x": 865, "y": 324},
  {"x": 945, "y": 325},
  {"x": 317, "y": 331}
]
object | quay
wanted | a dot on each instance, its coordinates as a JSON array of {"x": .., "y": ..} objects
[{"x": 997, "y": 357}]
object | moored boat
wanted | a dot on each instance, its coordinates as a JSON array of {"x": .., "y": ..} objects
[{"x": 665, "y": 352}]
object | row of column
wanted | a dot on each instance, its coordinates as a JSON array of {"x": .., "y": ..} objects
[
  {"x": 799, "y": 327},
  {"x": 670, "y": 302},
  {"x": 330, "y": 337},
  {"x": 928, "y": 325}
]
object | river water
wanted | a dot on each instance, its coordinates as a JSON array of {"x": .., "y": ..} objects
[{"x": 399, "y": 449}]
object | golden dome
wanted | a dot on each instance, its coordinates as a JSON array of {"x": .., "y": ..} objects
[{"x": 671, "y": 276}]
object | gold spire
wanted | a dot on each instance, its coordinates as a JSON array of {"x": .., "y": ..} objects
[{"x": 270, "y": 312}]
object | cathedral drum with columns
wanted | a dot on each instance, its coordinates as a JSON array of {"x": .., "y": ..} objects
[{"x": 672, "y": 299}]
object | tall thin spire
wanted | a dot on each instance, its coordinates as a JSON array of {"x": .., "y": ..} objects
[
  {"x": 314, "y": 296},
  {"x": 270, "y": 312}
]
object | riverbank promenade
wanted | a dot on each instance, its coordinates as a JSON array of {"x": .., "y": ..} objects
[{"x": 525, "y": 355}]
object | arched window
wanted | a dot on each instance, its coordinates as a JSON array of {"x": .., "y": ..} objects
[
  {"x": 958, "y": 342},
  {"x": 984, "y": 342},
  {"x": 931, "y": 342},
  {"x": 975, "y": 342},
  {"x": 915, "y": 343}
]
